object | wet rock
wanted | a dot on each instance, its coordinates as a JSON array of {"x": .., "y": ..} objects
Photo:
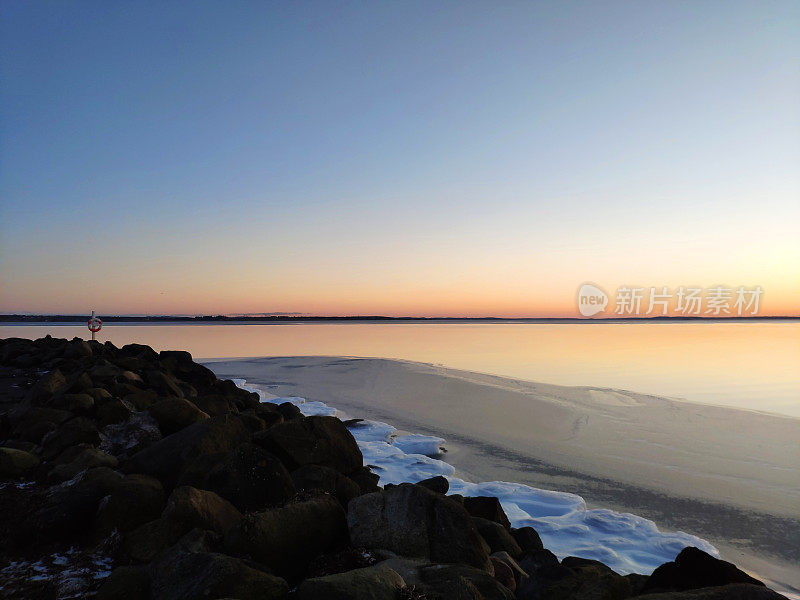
[
  {"x": 692, "y": 569},
  {"x": 438, "y": 484},
  {"x": 16, "y": 463},
  {"x": 173, "y": 414},
  {"x": 414, "y": 521},
  {"x": 251, "y": 478},
  {"x": 487, "y": 507},
  {"x": 373, "y": 583},
  {"x": 325, "y": 479},
  {"x": 312, "y": 441},
  {"x": 497, "y": 536},
  {"x": 287, "y": 539}
]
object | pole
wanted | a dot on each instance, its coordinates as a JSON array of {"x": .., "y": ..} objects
[{"x": 92, "y": 319}]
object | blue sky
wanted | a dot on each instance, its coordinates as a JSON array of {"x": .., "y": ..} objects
[{"x": 308, "y": 154}]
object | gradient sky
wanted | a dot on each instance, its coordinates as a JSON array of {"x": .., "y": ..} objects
[{"x": 400, "y": 158}]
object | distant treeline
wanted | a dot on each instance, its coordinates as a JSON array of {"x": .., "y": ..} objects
[{"x": 296, "y": 318}]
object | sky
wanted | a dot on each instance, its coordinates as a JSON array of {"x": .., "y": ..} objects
[{"x": 394, "y": 158}]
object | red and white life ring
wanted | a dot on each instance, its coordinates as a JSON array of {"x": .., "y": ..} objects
[{"x": 95, "y": 324}]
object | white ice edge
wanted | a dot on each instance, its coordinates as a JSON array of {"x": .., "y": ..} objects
[{"x": 625, "y": 542}]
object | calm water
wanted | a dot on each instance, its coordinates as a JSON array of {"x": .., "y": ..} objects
[{"x": 746, "y": 365}]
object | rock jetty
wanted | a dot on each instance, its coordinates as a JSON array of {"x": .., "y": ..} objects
[{"x": 131, "y": 474}]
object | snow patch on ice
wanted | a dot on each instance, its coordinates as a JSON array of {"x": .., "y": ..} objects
[
  {"x": 416, "y": 443},
  {"x": 625, "y": 542}
]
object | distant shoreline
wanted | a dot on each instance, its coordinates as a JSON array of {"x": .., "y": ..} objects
[{"x": 19, "y": 319}]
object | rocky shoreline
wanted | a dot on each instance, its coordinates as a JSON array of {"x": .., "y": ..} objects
[{"x": 126, "y": 473}]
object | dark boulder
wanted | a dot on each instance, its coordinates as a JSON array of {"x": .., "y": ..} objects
[
  {"x": 86, "y": 458},
  {"x": 113, "y": 411},
  {"x": 70, "y": 507},
  {"x": 79, "y": 430},
  {"x": 188, "y": 508},
  {"x": 173, "y": 414},
  {"x": 167, "y": 458},
  {"x": 77, "y": 349},
  {"x": 528, "y": 539},
  {"x": 143, "y": 544},
  {"x": 49, "y": 385},
  {"x": 503, "y": 573},
  {"x": 454, "y": 581},
  {"x": 487, "y": 507},
  {"x": 438, "y": 484},
  {"x": 366, "y": 480},
  {"x": 497, "y": 536},
  {"x": 287, "y": 539},
  {"x": 543, "y": 570},
  {"x": 692, "y": 569},
  {"x": 416, "y": 522},
  {"x": 180, "y": 575},
  {"x": 516, "y": 570},
  {"x": 98, "y": 394},
  {"x": 369, "y": 583},
  {"x": 16, "y": 463},
  {"x": 215, "y": 404},
  {"x": 268, "y": 413},
  {"x": 141, "y": 399},
  {"x": 162, "y": 383},
  {"x": 574, "y": 579},
  {"x": 312, "y": 441},
  {"x": 76, "y": 403},
  {"x": 325, "y": 479},
  {"x": 125, "y": 583},
  {"x": 135, "y": 500},
  {"x": 251, "y": 478},
  {"x": 289, "y": 411}
]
